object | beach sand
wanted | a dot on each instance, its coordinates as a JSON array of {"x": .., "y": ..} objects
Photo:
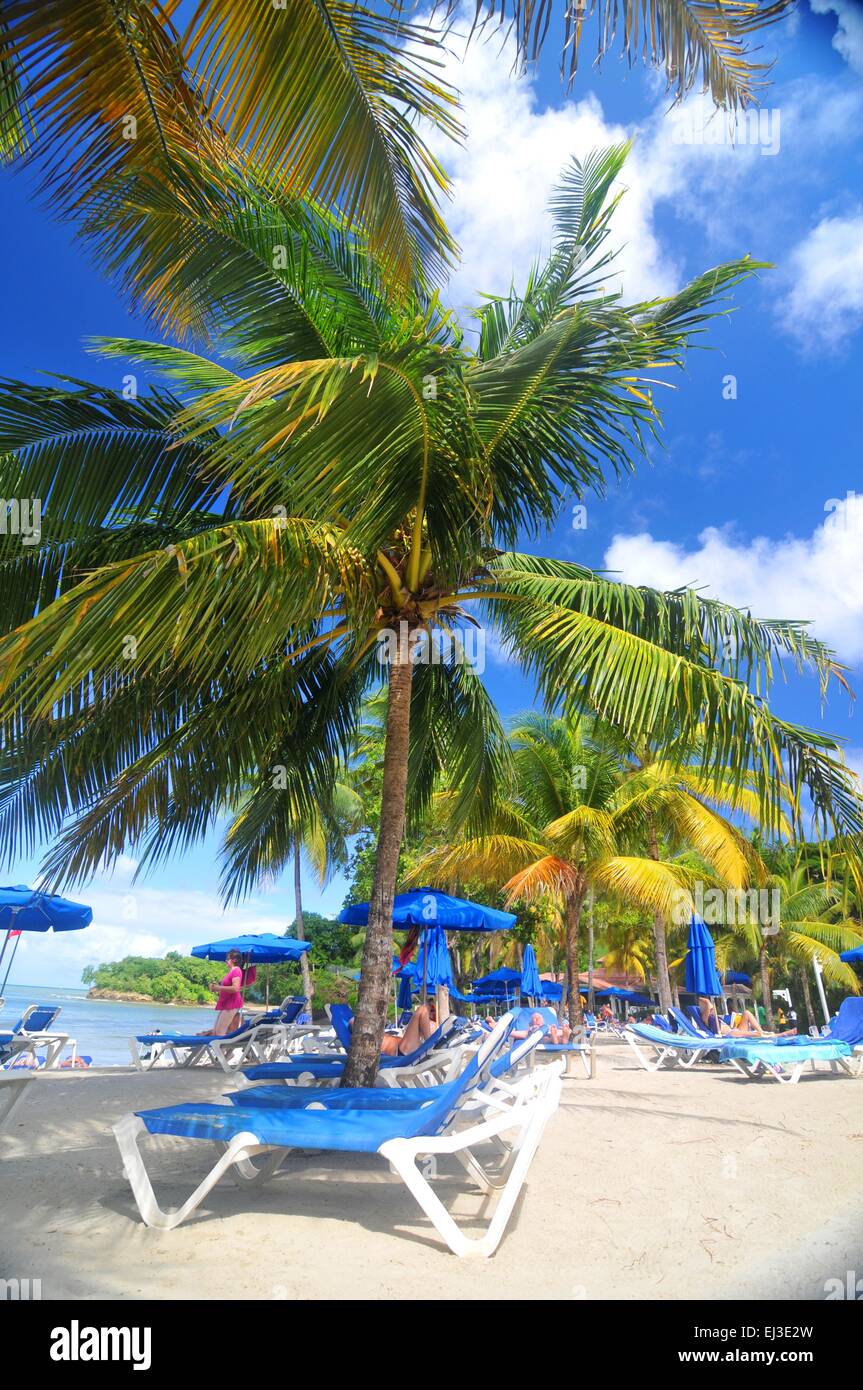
[{"x": 670, "y": 1185}]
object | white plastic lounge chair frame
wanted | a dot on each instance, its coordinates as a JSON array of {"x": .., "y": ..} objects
[
  {"x": 754, "y": 1070},
  {"x": 260, "y": 1042},
  {"x": 500, "y": 1089},
  {"x": 666, "y": 1051},
  {"x": 438, "y": 1065},
  {"x": 12, "y": 1088},
  {"x": 443, "y": 1064},
  {"x": 25, "y": 1043},
  {"x": 526, "y": 1117}
]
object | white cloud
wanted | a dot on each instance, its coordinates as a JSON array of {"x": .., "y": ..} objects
[
  {"x": 848, "y": 39},
  {"x": 824, "y": 302},
  {"x": 816, "y": 578},
  {"x": 130, "y": 920},
  {"x": 683, "y": 163},
  {"x": 514, "y": 153}
]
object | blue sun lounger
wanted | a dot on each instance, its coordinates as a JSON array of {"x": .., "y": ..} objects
[
  {"x": 501, "y": 1075},
  {"x": 785, "y": 1058},
  {"x": 301, "y": 1068},
  {"x": 32, "y": 1034},
  {"x": 846, "y": 1026},
  {"x": 254, "y": 1038},
  {"x": 688, "y": 1027},
  {"x": 399, "y": 1136},
  {"x": 785, "y": 1061},
  {"x": 568, "y": 1051}
]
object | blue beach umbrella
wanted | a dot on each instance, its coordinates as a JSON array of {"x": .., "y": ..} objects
[
  {"x": 404, "y": 998},
  {"x": 424, "y": 908},
  {"x": 501, "y": 979},
  {"x": 531, "y": 985},
  {"x": 262, "y": 949},
  {"x": 701, "y": 973},
  {"x": 428, "y": 907},
  {"x": 630, "y": 996},
  {"x": 26, "y": 909},
  {"x": 502, "y": 985},
  {"x": 853, "y": 957},
  {"x": 434, "y": 966}
]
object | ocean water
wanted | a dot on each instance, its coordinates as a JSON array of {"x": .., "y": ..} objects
[{"x": 103, "y": 1027}]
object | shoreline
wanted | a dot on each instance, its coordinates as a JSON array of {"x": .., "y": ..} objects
[{"x": 116, "y": 996}]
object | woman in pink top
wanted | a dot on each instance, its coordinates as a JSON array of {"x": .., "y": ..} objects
[{"x": 230, "y": 1000}]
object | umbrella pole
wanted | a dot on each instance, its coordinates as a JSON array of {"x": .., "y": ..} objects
[
  {"x": 2, "y": 954},
  {"x": 591, "y": 1001},
  {"x": 442, "y": 1004},
  {"x": 11, "y": 959},
  {"x": 816, "y": 968},
  {"x": 422, "y": 951}
]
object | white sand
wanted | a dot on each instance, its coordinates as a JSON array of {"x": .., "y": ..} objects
[{"x": 670, "y": 1185}]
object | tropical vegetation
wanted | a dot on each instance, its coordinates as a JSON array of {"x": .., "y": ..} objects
[
  {"x": 179, "y": 979},
  {"x": 576, "y": 820},
  {"x": 172, "y": 979}
]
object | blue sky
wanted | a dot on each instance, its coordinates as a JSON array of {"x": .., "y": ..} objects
[{"x": 748, "y": 497}]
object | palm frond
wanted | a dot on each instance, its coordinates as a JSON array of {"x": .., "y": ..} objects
[
  {"x": 656, "y": 886},
  {"x": 326, "y": 97},
  {"x": 694, "y": 41}
]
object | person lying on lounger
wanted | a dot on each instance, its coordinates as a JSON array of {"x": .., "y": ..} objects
[
  {"x": 553, "y": 1033},
  {"x": 743, "y": 1025},
  {"x": 420, "y": 1027}
]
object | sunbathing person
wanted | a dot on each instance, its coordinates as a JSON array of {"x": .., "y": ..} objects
[
  {"x": 553, "y": 1033},
  {"x": 743, "y": 1025},
  {"x": 420, "y": 1027}
]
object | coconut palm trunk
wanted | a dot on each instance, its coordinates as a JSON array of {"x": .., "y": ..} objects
[
  {"x": 663, "y": 981},
  {"x": 807, "y": 997},
  {"x": 766, "y": 997},
  {"x": 572, "y": 917},
  {"x": 370, "y": 1018},
  {"x": 299, "y": 924}
]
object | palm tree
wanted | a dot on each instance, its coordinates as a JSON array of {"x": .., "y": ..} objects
[
  {"x": 336, "y": 125},
  {"x": 628, "y": 949},
  {"x": 807, "y": 928},
  {"x": 571, "y": 825},
  {"x": 217, "y": 566},
  {"x": 265, "y": 835},
  {"x": 676, "y": 801}
]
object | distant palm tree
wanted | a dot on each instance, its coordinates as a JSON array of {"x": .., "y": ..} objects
[
  {"x": 810, "y": 925},
  {"x": 568, "y": 827},
  {"x": 266, "y": 834},
  {"x": 678, "y": 801},
  {"x": 628, "y": 949}
]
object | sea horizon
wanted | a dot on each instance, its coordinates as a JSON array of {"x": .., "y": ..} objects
[{"x": 101, "y": 1027}]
